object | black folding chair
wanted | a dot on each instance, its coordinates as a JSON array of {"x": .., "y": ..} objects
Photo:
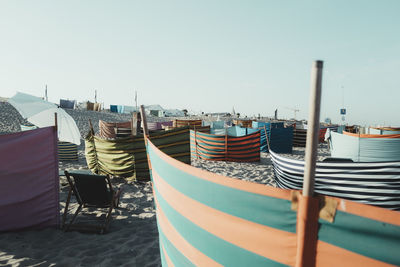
[{"x": 90, "y": 191}]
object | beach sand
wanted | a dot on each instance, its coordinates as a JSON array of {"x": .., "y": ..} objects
[{"x": 132, "y": 239}]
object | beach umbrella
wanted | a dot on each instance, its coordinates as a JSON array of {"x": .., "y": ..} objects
[{"x": 41, "y": 113}]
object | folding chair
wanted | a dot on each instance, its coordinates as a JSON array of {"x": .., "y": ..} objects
[{"x": 90, "y": 191}]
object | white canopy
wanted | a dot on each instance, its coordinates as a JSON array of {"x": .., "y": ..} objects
[{"x": 41, "y": 113}]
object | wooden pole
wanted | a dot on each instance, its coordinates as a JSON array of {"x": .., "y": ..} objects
[
  {"x": 313, "y": 129},
  {"x": 46, "y": 94},
  {"x": 134, "y": 124},
  {"x": 91, "y": 127},
  {"x": 266, "y": 137},
  {"x": 144, "y": 120},
  {"x": 308, "y": 206},
  {"x": 55, "y": 122}
]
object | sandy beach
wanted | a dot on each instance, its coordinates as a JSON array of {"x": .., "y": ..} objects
[{"x": 132, "y": 239}]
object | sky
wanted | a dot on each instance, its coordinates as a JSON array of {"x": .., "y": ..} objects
[{"x": 208, "y": 55}]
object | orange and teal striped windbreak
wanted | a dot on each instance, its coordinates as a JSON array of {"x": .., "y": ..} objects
[
  {"x": 223, "y": 147},
  {"x": 205, "y": 219}
]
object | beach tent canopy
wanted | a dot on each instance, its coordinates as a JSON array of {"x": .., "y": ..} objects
[
  {"x": 29, "y": 181},
  {"x": 41, "y": 113}
]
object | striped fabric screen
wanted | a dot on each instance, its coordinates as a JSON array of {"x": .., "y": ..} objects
[
  {"x": 384, "y": 130},
  {"x": 93, "y": 106},
  {"x": 122, "y": 132},
  {"x": 280, "y": 139},
  {"x": 373, "y": 183},
  {"x": 205, "y": 219},
  {"x": 228, "y": 148},
  {"x": 321, "y": 135},
  {"x": 360, "y": 235},
  {"x": 126, "y": 157},
  {"x": 29, "y": 187},
  {"x": 107, "y": 129},
  {"x": 363, "y": 148},
  {"x": 243, "y": 123},
  {"x": 67, "y": 151},
  {"x": 183, "y": 123},
  {"x": 299, "y": 137},
  {"x": 154, "y": 126}
]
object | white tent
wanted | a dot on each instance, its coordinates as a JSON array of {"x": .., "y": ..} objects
[{"x": 41, "y": 113}]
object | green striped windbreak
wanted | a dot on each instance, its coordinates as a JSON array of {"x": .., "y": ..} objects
[
  {"x": 205, "y": 219},
  {"x": 126, "y": 157}
]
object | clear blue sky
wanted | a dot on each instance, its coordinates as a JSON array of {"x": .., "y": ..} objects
[{"x": 208, "y": 55}]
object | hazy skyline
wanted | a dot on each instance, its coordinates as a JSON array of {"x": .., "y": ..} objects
[{"x": 210, "y": 56}]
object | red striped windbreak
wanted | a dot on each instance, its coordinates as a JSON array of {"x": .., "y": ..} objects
[{"x": 227, "y": 148}]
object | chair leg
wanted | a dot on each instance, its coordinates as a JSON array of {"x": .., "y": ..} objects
[
  {"x": 73, "y": 218},
  {"x": 116, "y": 197},
  {"x": 108, "y": 217},
  {"x": 64, "y": 218}
]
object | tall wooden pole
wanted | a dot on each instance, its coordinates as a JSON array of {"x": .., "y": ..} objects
[
  {"x": 307, "y": 214},
  {"x": 313, "y": 129}
]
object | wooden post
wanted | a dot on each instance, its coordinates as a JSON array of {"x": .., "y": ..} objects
[
  {"x": 56, "y": 124},
  {"x": 135, "y": 123},
  {"x": 45, "y": 94},
  {"x": 266, "y": 136},
  {"x": 195, "y": 143},
  {"x": 308, "y": 206},
  {"x": 144, "y": 120},
  {"x": 91, "y": 126},
  {"x": 226, "y": 146},
  {"x": 313, "y": 129},
  {"x": 55, "y": 119}
]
